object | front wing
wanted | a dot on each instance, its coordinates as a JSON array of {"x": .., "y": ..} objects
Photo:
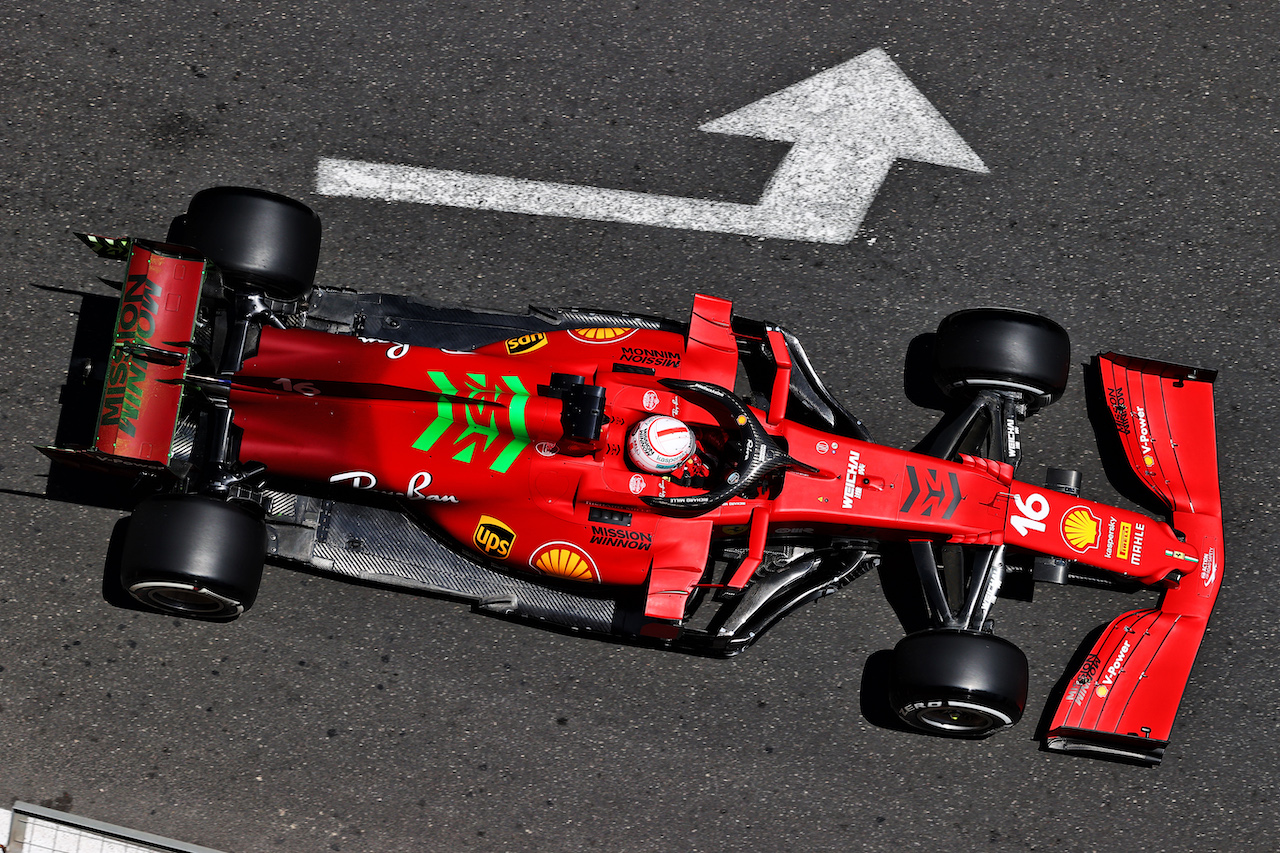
[{"x": 1123, "y": 697}]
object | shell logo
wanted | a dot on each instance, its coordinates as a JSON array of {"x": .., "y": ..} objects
[
  {"x": 1081, "y": 529},
  {"x": 564, "y": 560},
  {"x": 601, "y": 336}
]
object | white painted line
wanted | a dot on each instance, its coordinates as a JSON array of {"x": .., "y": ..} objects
[
  {"x": 847, "y": 124},
  {"x": 37, "y": 829}
]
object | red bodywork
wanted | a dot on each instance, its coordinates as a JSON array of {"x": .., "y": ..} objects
[
  {"x": 474, "y": 443},
  {"x": 476, "y": 449}
]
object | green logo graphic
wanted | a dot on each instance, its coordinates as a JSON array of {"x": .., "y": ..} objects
[{"x": 488, "y": 428}]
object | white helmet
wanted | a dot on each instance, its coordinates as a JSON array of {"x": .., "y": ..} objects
[{"x": 660, "y": 445}]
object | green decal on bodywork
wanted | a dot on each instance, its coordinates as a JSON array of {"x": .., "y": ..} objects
[
  {"x": 515, "y": 416},
  {"x": 113, "y": 248},
  {"x": 444, "y": 410},
  {"x": 481, "y": 419},
  {"x": 122, "y": 396}
]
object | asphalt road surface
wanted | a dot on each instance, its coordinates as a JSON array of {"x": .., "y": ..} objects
[{"x": 1132, "y": 154}]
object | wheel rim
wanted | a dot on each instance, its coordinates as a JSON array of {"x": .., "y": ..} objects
[
  {"x": 961, "y": 718},
  {"x": 186, "y": 599},
  {"x": 1000, "y": 385}
]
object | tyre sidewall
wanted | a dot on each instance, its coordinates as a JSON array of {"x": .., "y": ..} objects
[
  {"x": 999, "y": 346},
  {"x": 942, "y": 669},
  {"x": 260, "y": 238},
  {"x": 189, "y": 539}
]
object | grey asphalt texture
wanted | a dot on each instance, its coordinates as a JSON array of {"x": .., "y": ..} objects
[{"x": 1133, "y": 150}]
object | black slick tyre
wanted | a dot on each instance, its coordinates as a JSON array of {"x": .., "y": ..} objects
[
  {"x": 958, "y": 683},
  {"x": 254, "y": 237},
  {"x": 1002, "y": 349},
  {"x": 194, "y": 556}
]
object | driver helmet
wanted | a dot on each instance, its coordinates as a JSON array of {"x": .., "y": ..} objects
[{"x": 660, "y": 445}]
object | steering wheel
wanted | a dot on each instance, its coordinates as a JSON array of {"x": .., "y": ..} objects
[{"x": 760, "y": 454}]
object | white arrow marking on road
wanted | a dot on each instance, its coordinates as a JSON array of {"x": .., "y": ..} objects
[{"x": 848, "y": 125}]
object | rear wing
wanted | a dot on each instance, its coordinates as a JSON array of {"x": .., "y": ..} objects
[
  {"x": 1122, "y": 699},
  {"x": 150, "y": 350}
]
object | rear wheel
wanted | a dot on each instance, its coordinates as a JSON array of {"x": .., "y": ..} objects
[
  {"x": 194, "y": 556},
  {"x": 1002, "y": 349},
  {"x": 958, "y": 683},
  {"x": 255, "y": 237}
]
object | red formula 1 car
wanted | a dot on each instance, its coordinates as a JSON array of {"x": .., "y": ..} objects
[{"x": 682, "y": 484}]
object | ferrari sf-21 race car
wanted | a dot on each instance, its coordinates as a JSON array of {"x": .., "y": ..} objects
[{"x": 683, "y": 484}]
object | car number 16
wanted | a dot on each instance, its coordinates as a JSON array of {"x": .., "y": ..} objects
[{"x": 1032, "y": 513}]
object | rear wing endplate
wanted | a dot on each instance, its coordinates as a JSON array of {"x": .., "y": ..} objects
[{"x": 159, "y": 302}]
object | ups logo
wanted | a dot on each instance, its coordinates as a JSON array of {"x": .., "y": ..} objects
[
  {"x": 525, "y": 343},
  {"x": 493, "y": 537}
]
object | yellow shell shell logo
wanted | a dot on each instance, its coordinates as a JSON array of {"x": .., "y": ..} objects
[
  {"x": 563, "y": 560},
  {"x": 601, "y": 336},
  {"x": 1081, "y": 529}
]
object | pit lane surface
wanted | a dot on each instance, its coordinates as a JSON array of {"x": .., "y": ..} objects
[{"x": 1132, "y": 151}]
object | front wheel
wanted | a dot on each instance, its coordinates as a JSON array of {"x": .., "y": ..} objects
[
  {"x": 1002, "y": 349},
  {"x": 194, "y": 556},
  {"x": 958, "y": 683}
]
